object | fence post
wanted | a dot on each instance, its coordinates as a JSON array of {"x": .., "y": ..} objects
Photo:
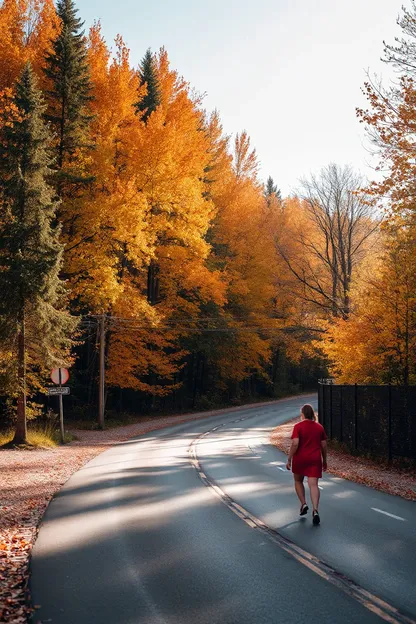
[
  {"x": 341, "y": 433},
  {"x": 390, "y": 432},
  {"x": 330, "y": 410},
  {"x": 355, "y": 417},
  {"x": 320, "y": 406}
]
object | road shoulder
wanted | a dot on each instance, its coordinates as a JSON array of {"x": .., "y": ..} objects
[{"x": 358, "y": 469}]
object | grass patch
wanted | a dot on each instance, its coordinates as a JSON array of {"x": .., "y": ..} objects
[
  {"x": 38, "y": 436},
  {"x": 5, "y": 437}
]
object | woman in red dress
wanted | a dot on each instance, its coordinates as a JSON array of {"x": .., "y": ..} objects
[{"x": 308, "y": 451}]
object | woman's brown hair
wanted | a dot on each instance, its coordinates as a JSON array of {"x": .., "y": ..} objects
[{"x": 308, "y": 412}]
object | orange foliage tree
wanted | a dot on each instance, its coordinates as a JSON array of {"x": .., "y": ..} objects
[
  {"x": 242, "y": 246},
  {"x": 166, "y": 226},
  {"x": 377, "y": 344},
  {"x": 27, "y": 28},
  {"x": 157, "y": 213}
]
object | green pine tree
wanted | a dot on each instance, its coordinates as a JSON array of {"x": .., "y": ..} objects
[
  {"x": 148, "y": 76},
  {"x": 271, "y": 190},
  {"x": 70, "y": 93},
  {"x": 34, "y": 325}
]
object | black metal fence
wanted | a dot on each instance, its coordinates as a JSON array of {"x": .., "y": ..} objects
[{"x": 379, "y": 420}]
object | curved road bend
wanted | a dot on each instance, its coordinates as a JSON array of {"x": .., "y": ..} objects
[{"x": 137, "y": 537}]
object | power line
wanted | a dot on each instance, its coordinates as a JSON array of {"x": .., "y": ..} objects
[{"x": 186, "y": 326}]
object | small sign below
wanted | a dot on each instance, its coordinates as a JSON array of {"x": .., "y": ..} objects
[{"x": 60, "y": 390}]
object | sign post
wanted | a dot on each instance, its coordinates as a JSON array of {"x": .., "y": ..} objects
[
  {"x": 61, "y": 410},
  {"x": 59, "y": 376}
]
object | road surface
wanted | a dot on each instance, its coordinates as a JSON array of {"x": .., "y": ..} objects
[{"x": 198, "y": 524}]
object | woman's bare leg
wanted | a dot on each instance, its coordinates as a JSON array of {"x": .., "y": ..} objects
[
  {"x": 314, "y": 490},
  {"x": 300, "y": 488}
]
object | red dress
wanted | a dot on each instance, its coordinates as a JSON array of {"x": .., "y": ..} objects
[{"x": 307, "y": 460}]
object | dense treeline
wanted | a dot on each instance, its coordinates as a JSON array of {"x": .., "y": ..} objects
[{"x": 132, "y": 203}]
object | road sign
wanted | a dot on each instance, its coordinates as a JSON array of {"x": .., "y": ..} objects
[
  {"x": 60, "y": 390},
  {"x": 59, "y": 376}
]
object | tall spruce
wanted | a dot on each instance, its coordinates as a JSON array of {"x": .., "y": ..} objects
[
  {"x": 70, "y": 93},
  {"x": 33, "y": 322},
  {"x": 148, "y": 76},
  {"x": 271, "y": 190}
]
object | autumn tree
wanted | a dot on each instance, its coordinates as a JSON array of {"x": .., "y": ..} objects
[
  {"x": 33, "y": 322},
  {"x": 377, "y": 343},
  {"x": 242, "y": 246},
  {"x": 111, "y": 235},
  {"x": 161, "y": 161},
  {"x": 391, "y": 126},
  {"x": 27, "y": 28},
  {"x": 167, "y": 230},
  {"x": 331, "y": 239}
]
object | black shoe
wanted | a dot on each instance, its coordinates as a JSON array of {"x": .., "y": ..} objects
[
  {"x": 316, "y": 519},
  {"x": 304, "y": 509}
]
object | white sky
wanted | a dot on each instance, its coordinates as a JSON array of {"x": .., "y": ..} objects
[{"x": 289, "y": 72}]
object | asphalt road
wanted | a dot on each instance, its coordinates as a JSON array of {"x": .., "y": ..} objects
[{"x": 198, "y": 524}]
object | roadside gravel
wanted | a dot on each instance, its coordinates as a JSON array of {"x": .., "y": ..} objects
[{"x": 361, "y": 470}]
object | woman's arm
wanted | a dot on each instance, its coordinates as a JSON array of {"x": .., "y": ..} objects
[
  {"x": 324, "y": 453},
  {"x": 293, "y": 449}
]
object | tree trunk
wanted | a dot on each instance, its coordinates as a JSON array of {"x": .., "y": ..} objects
[{"x": 20, "y": 436}]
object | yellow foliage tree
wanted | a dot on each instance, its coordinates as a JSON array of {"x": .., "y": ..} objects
[
  {"x": 242, "y": 240},
  {"x": 377, "y": 344},
  {"x": 111, "y": 227},
  {"x": 164, "y": 157}
]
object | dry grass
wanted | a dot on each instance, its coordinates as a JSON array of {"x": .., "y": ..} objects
[
  {"x": 5, "y": 437},
  {"x": 38, "y": 436}
]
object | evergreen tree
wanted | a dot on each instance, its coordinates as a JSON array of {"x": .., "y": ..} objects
[
  {"x": 271, "y": 190},
  {"x": 70, "y": 93},
  {"x": 32, "y": 321},
  {"x": 148, "y": 75}
]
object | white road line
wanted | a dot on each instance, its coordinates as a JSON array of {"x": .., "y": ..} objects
[
  {"x": 321, "y": 488},
  {"x": 282, "y": 469},
  {"x": 386, "y": 513},
  {"x": 372, "y": 602}
]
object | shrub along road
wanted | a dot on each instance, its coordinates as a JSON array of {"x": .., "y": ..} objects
[{"x": 198, "y": 523}]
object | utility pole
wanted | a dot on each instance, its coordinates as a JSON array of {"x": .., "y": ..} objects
[{"x": 101, "y": 394}]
